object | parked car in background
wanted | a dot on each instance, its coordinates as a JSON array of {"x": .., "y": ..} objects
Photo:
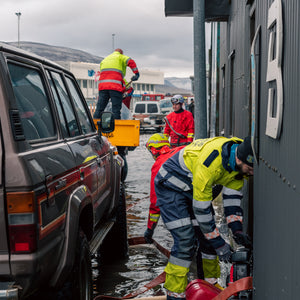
[
  {"x": 150, "y": 115},
  {"x": 61, "y": 194},
  {"x": 166, "y": 105}
]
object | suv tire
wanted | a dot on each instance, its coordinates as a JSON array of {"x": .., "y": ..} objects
[
  {"x": 115, "y": 245},
  {"x": 82, "y": 270}
]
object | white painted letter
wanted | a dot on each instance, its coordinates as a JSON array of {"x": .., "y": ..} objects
[{"x": 273, "y": 127}]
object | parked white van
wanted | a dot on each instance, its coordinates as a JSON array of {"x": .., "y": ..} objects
[{"x": 150, "y": 115}]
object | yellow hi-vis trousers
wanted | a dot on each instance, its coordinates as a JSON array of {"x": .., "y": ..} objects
[{"x": 176, "y": 276}]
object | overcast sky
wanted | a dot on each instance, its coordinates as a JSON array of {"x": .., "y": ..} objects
[{"x": 141, "y": 29}]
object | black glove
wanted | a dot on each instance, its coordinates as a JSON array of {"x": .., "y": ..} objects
[
  {"x": 148, "y": 236},
  {"x": 224, "y": 253},
  {"x": 243, "y": 239},
  {"x": 135, "y": 77}
]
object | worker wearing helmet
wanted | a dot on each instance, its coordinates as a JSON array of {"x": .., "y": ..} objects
[
  {"x": 111, "y": 81},
  {"x": 207, "y": 262},
  {"x": 179, "y": 124},
  {"x": 184, "y": 183},
  {"x": 160, "y": 149}
]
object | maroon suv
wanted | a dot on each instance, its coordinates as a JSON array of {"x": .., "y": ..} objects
[{"x": 60, "y": 186}]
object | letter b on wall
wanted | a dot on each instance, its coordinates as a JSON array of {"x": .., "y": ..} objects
[{"x": 274, "y": 74}]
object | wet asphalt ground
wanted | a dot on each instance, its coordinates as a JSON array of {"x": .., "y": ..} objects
[{"x": 145, "y": 262}]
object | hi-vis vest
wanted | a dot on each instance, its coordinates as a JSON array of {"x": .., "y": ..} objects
[
  {"x": 113, "y": 70},
  {"x": 205, "y": 163}
]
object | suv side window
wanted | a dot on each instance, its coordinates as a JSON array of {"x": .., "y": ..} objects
[
  {"x": 152, "y": 108},
  {"x": 140, "y": 108},
  {"x": 82, "y": 114},
  {"x": 61, "y": 115},
  {"x": 61, "y": 92},
  {"x": 32, "y": 101}
]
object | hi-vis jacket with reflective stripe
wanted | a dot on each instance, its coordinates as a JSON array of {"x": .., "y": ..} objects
[
  {"x": 203, "y": 158},
  {"x": 113, "y": 70},
  {"x": 207, "y": 160},
  {"x": 183, "y": 123}
]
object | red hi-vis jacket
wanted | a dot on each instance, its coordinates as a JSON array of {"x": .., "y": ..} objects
[
  {"x": 183, "y": 123},
  {"x": 113, "y": 70},
  {"x": 154, "y": 211}
]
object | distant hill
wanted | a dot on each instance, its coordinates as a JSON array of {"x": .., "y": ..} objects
[
  {"x": 168, "y": 89},
  {"x": 56, "y": 53},
  {"x": 172, "y": 85},
  {"x": 182, "y": 83},
  {"x": 175, "y": 85}
]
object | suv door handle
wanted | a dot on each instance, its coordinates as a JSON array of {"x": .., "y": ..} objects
[
  {"x": 100, "y": 162},
  {"x": 61, "y": 183}
]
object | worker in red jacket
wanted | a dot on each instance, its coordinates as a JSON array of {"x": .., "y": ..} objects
[
  {"x": 179, "y": 124},
  {"x": 111, "y": 82},
  {"x": 159, "y": 146}
]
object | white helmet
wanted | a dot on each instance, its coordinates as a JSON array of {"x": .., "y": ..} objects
[{"x": 177, "y": 99}]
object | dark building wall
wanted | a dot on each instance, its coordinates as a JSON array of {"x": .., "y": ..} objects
[
  {"x": 234, "y": 62},
  {"x": 276, "y": 183},
  {"x": 276, "y": 179},
  {"x": 275, "y": 192}
]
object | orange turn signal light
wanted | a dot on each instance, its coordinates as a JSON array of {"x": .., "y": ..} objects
[{"x": 20, "y": 202}]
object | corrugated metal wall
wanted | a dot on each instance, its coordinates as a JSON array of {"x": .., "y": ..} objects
[
  {"x": 276, "y": 182},
  {"x": 234, "y": 96}
]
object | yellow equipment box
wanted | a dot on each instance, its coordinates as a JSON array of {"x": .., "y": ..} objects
[{"x": 126, "y": 133}]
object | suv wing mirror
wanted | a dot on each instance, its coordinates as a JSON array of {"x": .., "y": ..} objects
[{"x": 106, "y": 123}]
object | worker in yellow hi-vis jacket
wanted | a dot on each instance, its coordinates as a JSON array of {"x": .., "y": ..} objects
[{"x": 185, "y": 183}]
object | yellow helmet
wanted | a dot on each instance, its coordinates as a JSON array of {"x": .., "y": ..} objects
[{"x": 157, "y": 141}]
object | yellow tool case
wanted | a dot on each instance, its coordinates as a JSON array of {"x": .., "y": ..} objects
[{"x": 126, "y": 133}]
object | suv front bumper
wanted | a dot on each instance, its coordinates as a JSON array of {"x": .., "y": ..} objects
[{"x": 8, "y": 291}]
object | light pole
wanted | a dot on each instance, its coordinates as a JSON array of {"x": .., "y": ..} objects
[
  {"x": 113, "y": 41},
  {"x": 19, "y": 15}
]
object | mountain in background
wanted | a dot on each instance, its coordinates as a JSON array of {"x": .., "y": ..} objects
[
  {"x": 175, "y": 85},
  {"x": 182, "y": 83},
  {"x": 56, "y": 53},
  {"x": 172, "y": 85}
]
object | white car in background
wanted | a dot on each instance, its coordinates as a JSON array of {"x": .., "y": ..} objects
[{"x": 166, "y": 105}]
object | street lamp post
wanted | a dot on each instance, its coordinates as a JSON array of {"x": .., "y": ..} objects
[
  {"x": 113, "y": 41},
  {"x": 18, "y": 14}
]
